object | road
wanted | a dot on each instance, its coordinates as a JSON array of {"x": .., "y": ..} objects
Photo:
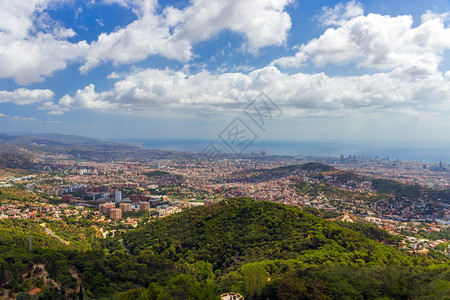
[
  {"x": 31, "y": 185},
  {"x": 48, "y": 231}
]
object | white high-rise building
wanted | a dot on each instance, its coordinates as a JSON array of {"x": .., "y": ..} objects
[{"x": 118, "y": 196}]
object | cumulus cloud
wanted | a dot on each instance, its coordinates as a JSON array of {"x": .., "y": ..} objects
[
  {"x": 154, "y": 91},
  {"x": 341, "y": 13},
  {"x": 299, "y": 59},
  {"x": 262, "y": 22},
  {"x": 32, "y": 59},
  {"x": 383, "y": 42},
  {"x": 376, "y": 41},
  {"x": 32, "y": 45},
  {"x": 86, "y": 98},
  {"x": 172, "y": 33},
  {"x": 23, "y": 96},
  {"x": 143, "y": 37}
]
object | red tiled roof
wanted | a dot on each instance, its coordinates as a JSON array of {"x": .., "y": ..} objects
[{"x": 34, "y": 291}]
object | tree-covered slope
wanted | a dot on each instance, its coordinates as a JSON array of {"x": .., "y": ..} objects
[
  {"x": 262, "y": 250},
  {"x": 416, "y": 191},
  {"x": 236, "y": 231}
]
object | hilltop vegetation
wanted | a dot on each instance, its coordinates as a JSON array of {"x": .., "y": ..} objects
[
  {"x": 16, "y": 195},
  {"x": 157, "y": 174},
  {"x": 224, "y": 233},
  {"x": 385, "y": 188},
  {"x": 259, "y": 249},
  {"x": 413, "y": 192},
  {"x": 310, "y": 167},
  {"x": 15, "y": 233},
  {"x": 260, "y": 175},
  {"x": 262, "y": 248},
  {"x": 320, "y": 188}
]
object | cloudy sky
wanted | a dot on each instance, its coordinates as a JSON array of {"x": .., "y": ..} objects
[{"x": 351, "y": 71}]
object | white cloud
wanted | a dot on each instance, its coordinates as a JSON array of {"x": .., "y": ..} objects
[
  {"x": 24, "y": 118},
  {"x": 383, "y": 42},
  {"x": 34, "y": 46},
  {"x": 53, "y": 109},
  {"x": 85, "y": 98},
  {"x": 31, "y": 44},
  {"x": 171, "y": 92},
  {"x": 377, "y": 41},
  {"x": 262, "y": 22},
  {"x": 141, "y": 38},
  {"x": 113, "y": 75},
  {"x": 299, "y": 59},
  {"x": 341, "y": 13},
  {"x": 23, "y": 96},
  {"x": 31, "y": 59},
  {"x": 172, "y": 33}
]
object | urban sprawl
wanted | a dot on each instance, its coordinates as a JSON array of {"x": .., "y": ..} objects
[{"x": 125, "y": 193}]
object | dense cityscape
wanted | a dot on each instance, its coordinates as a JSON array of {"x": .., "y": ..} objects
[{"x": 123, "y": 193}]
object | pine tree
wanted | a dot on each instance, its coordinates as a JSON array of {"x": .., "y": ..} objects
[{"x": 80, "y": 294}]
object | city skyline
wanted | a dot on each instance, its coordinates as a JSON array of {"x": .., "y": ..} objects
[{"x": 351, "y": 71}]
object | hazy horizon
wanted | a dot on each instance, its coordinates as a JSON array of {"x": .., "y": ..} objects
[
  {"x": 409, "y": 151},
  {"x": 431, "y": 155},
  {"x": 349, "y": 71}
]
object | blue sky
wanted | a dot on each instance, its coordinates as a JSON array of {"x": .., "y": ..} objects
[{"x": 351, "y": 71}]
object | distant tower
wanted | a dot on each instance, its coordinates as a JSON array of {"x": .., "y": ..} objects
[{"x": 30, "y": 243}]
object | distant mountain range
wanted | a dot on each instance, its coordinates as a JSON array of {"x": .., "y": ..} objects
[
  {"x": 80, "y": 147},
  {"x": 63, "y": 144},
  {"x": 56, "y": 142}
]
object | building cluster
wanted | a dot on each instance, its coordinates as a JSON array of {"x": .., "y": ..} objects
[
  {"x": 40, "y": 210},
  {"x": 408, "y": 230},
  {"x": 114, "y": 210},
  {"x": 110, "y": 210}
]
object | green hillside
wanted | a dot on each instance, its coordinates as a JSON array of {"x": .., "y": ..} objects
[
  {"x": 311, "y": 167},
  {"x": 261, "y": 250},
  {"x": 401, "y": 190},
  {"x": 247, "y": 230}
]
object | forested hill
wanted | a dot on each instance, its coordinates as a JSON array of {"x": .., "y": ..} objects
[
  {"x": 413, "y": 192},
  {"x": 240, "y": 230},
  {"x": 262, "y": 250},
  {"x": 268, "y": 250}
]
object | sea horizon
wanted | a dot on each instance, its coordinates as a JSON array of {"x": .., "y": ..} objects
[{"x": 405, "y": 151}]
